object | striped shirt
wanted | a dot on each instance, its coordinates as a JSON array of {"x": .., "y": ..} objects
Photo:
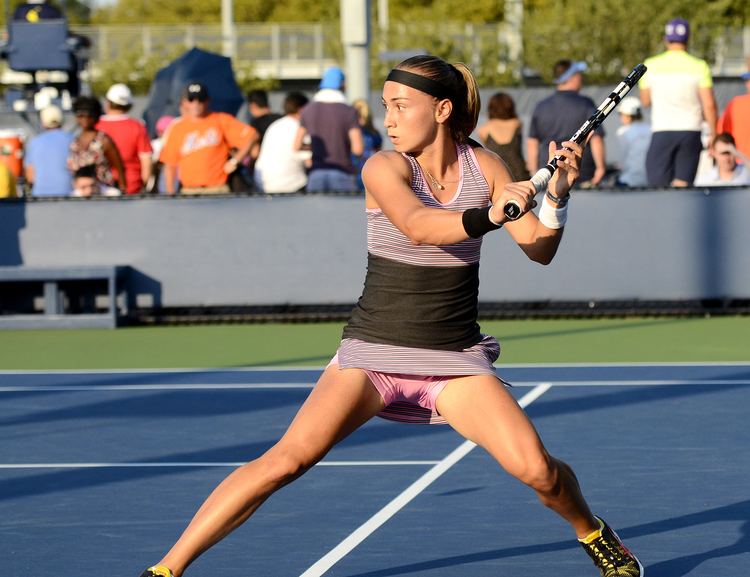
[{"x": 373, "y": 340}]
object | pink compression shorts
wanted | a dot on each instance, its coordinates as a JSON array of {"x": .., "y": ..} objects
[{"x": 413, "y": 389}]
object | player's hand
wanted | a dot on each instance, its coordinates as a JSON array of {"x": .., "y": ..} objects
[
  {"x": 521, "y": 193},
  {"x": 568, "y": 169}
]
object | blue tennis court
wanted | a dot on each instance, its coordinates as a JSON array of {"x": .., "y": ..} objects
[{"x": 100, "y": 472}]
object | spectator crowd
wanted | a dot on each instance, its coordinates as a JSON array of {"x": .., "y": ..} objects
[{"x": 321, "y": 143}]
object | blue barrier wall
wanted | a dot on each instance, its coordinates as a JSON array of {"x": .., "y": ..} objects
[{"x": 310, "y": 249}]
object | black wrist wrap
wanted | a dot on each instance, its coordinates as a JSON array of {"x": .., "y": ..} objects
[{"x": 477, "y": 222}]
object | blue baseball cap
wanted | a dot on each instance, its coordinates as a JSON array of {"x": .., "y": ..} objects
[
  {"x": 677, "y": 30},
  {"x": 332, "y": 78},
  {"x": 575, "y": 68},
  {"x": 745, "y": 76}
]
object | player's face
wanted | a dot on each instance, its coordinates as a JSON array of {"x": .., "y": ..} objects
[{"x": 410, "y": 120}]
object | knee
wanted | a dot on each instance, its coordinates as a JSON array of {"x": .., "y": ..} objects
[
  {"x": 541, "y": 473},
  {"x": 282, "y": 466}
]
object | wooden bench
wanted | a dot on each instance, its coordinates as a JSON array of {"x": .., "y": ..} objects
[{"x": 54, "y": 315}]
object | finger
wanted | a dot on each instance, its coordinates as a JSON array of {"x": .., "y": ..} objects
[
  {"x": 552, "y": 150},
  {"x": 573, "y": 146}
]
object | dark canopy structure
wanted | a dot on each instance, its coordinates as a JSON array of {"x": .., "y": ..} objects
[{"x": 196, "y": 65}]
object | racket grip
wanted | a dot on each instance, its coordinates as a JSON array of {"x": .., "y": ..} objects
[{"x": 540, "y": 180}]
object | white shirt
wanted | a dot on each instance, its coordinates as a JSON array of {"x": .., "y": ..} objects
[
  {"x": 740, "y": 176},
  {"x": 279, "y": 167},
  {"x": 634, "y": 140}
]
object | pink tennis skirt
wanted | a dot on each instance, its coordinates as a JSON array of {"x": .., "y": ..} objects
[{"x": 407, "y": 398}]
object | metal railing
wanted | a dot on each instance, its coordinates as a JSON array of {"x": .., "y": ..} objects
[{"x": 302, "y": 51}]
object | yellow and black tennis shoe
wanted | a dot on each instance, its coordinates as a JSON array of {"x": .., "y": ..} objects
[
  {"x": 157, "y": 571},
  {"x": 610, "y": 556}
]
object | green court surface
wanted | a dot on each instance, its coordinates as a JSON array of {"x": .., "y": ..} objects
[{"x": 312, "y": 345}]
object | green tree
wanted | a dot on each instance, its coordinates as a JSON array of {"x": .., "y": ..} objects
[
  {"x": 613, "y": 36},
  {"x": 610, "y": 35},
  {"x": 202, "y": 12}
]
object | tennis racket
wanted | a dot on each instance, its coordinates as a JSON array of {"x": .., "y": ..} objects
[{"x": 540, "y": 180}]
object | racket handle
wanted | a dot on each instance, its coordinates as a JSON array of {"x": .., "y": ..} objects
[{"x": 540, "y": 180}]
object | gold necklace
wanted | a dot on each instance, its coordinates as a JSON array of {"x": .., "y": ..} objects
[{"x": 434, "y": 180}]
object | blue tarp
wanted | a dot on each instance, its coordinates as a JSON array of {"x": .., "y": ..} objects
[{"x": 196, "y": 65}]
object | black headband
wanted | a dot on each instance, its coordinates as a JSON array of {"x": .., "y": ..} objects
[{"x": 421, "y": 83}]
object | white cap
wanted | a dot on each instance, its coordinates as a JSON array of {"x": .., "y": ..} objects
[
  {"x": 120, "y": 95},
  {"x": 630, "y": 105},
  {"x": 51, "y": 116}
]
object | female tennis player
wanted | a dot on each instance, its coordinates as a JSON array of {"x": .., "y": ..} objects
[{"x": 412, "y": 350}]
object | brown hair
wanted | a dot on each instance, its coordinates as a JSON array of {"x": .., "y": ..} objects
[
  {"x": 501, "y": 106},
  {"x": 725, "y": 137},
  {"x": 462, "y": 86}
]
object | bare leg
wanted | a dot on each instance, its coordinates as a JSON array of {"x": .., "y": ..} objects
[
  {"x": 342, "y": 401},
  {"x": 483, "y": 411}
]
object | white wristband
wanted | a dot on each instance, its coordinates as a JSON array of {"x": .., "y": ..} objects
[{"x": 552, "y": 216}]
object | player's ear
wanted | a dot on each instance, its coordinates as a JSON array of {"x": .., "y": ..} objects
[{"x": 443, "y": 110}]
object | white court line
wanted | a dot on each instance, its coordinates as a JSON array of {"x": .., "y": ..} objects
[
  {"x": 637, "y": 383},
  {"x": 374, "y": 522},
  {"x": 269, "y": 386},
  {"x": 187, "y": 464},
  {"x": 320, "y": 368},
  {"x": 158, "y": 387}
]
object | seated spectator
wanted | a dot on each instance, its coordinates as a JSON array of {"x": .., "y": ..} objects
[
  {"x": 198, "y": 144},
  {"x": 634, "y": 138},
  {"x": 372, "y": 139},
  {"x": 280, "y": 168},
  {"x": 92, "y": 146},
  {"x": 46, "y": 162},
  {"x": 129, "y": 135},
  {"x": 85, "y": 184},
  {"x": 503, "y": 133},
  {"x": 726, "y": 171},
  {"x": 7, "y": 182}
]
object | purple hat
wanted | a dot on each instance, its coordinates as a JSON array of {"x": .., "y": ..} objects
[
  {"x": 745, "y": 76},
  {"x": 677, "y": 30}
]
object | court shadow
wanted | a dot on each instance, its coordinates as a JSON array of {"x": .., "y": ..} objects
[
  {"x": 677, "y": 567},
  {"x": 191, "y": 403},
  {"x": 59, "y": 481},
  {"x": 680, "y": 566},
  {"x": 622, "y": 398}
]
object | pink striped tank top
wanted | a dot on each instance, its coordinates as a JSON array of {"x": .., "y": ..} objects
[{"x": 417, "y": 313}]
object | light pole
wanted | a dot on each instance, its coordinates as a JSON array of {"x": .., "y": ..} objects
[
  {"x": 227, "y": 28},
  {"x": 355, "y": 37}
]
